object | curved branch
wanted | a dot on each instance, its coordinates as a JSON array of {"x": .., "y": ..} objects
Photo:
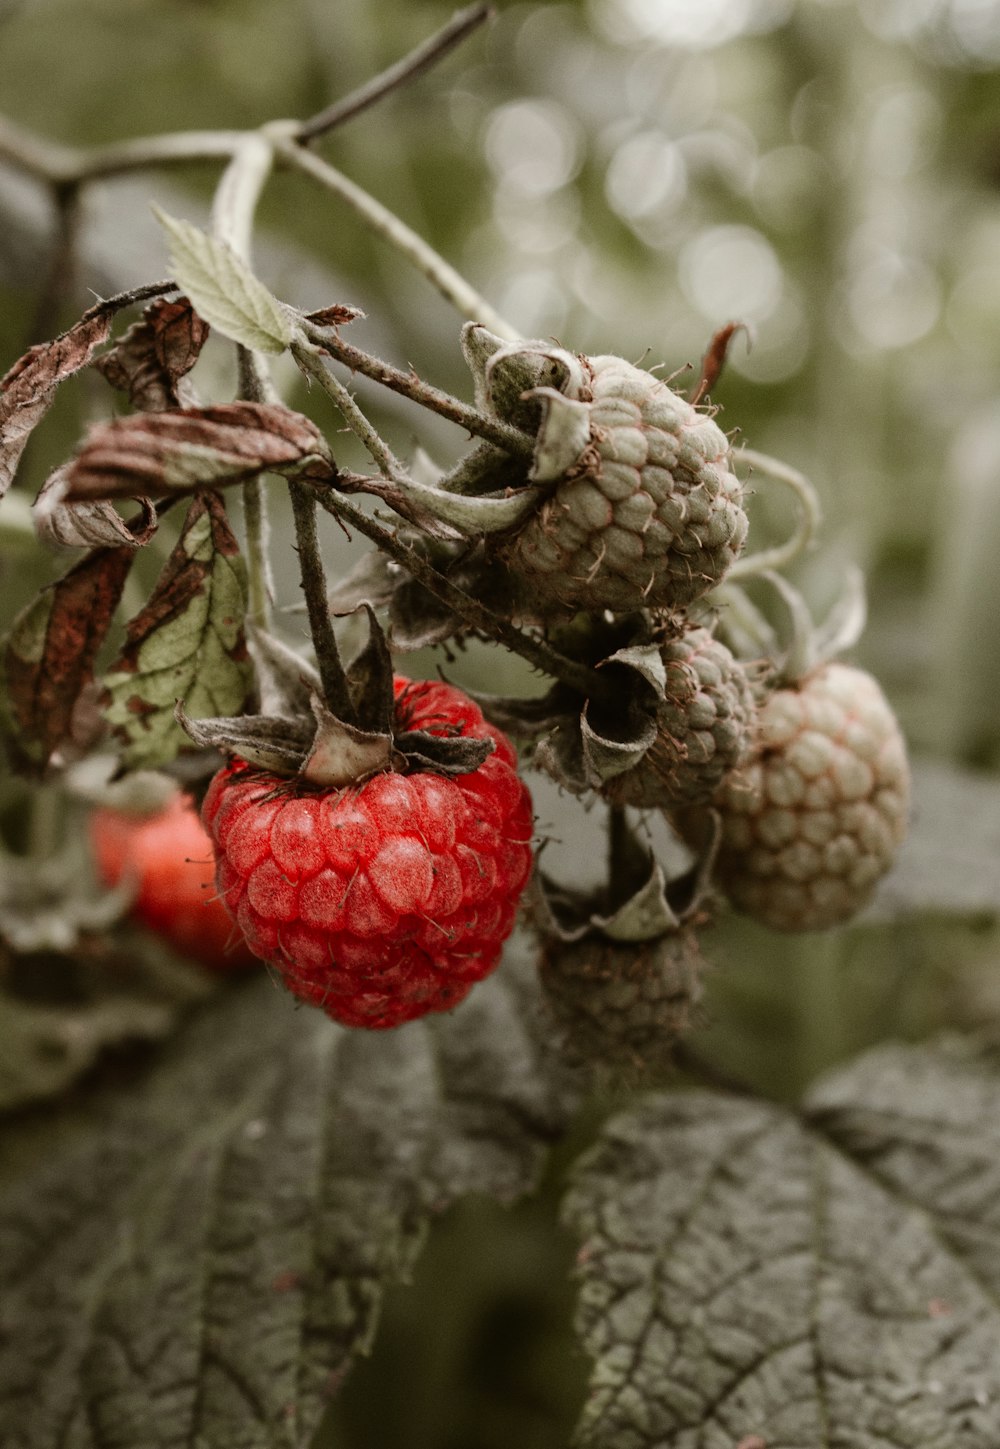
[
  {"x": 392, "y": 229},
  {"x": 60, "y": 165},
  {"x": 590, "y": 683},
  {"x": 419, "y": 60},
  {"x": 408, "y": 384}
]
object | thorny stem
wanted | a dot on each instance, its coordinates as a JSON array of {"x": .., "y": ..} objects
[
  {"x": 308, "y": 358},
  {"x": 233, "y": 210},
  {"x": 415, "y": 501},
  {"x": 336, "y": 694},
  {"x": 588, "y": 682},
  {"x": 427, "y": 54},
  {"x": 256, "y": 386},
  {"x": 128, "y": 299},
  {"x": 492, "y": 430},
  {"x": 754, "y": 564},
  {"x": 618, "y": 849},
  {"x": 408, "y": 243}
]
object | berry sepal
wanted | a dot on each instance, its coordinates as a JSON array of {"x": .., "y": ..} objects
[
  {"x": 639, "y": 904},
  {"x": 681, "y": 721},
  {"x": 302, "y": 738},
  {"x": 622, "y": 978}
]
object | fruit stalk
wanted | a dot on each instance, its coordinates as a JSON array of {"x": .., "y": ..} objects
[
  {"x": 588, "y": 682},
  {"x": 336, "y": 694}
]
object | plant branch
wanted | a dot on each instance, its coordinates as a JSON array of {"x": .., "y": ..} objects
[
  {"x": 255, "y": 386},
  {"x": 60, "y": 165},
  {"x": 392, "y": 229},
  {"x": 238, "y": 192},
  {"x": 419, "y": 60},
  {"x": 336, "y": 693},
  {"x": 619, "y": 853},
  {"x": 121, "y": 300},
  {"x": 308, "y": 358},
  {"x": 588, "y": 682},
  {"x": 408, "y": 384},
  {"x": 233, "y": 209}
]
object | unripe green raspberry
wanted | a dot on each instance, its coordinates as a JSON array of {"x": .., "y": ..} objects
[
  {"x": 620, "y": 1007},
  {"x": 651, "y": 512},
  {"x": 704, "y": 723},
  {"x": 813, "y": 821}
]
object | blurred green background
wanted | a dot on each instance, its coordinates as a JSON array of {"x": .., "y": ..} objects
[{"x": 625, "y": 175}]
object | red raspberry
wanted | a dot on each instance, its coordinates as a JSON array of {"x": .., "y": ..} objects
[
  {"x": 169, "y": 855},
  {"x": 383, "y": 901}
]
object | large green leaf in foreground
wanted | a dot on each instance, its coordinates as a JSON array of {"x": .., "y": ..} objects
[
  {"x": 829, "y": 1281},
  {"x": 207, "y": 1247}
]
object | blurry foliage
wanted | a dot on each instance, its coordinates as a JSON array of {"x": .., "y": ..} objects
[{"x": 626, "y": 175}]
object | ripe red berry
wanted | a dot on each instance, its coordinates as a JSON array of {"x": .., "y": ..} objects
[
  {"x": 382, "y": 901},
  {"x": 169, "y": 855}
]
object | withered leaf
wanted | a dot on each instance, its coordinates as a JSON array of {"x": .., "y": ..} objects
[
  {"x": 715, "y": 358},
  {"x": 336, "y": 316},
  {"x": 27, "y": 390},
  {"x": 87, "y": 525},
  {"x": 50, "y": 651},
  {"x": 158, "y": 454},
  {"x": 187, "y": 643},
  {"x": 154, "y": 354}
]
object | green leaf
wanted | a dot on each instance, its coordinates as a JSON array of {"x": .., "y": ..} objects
[
  {"x": 818, "y": 1281},
  {"x": 199, "y": 1259},
  {"x": 186, "y": 644},
  {"x": 224, "y": 290}
]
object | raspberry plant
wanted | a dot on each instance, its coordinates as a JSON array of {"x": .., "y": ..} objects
[{"x": 749, "y": 1275}]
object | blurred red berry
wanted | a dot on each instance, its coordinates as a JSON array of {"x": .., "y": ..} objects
[{"x": 170, "y": 857}]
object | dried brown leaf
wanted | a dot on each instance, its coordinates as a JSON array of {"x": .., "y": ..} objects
[
  {"x": 335, "y": 316},
  {"x": 50, "y": 651},
  {"x": 154, "y": 354},
  {"x": 158, "y": 454},
  {"x": 29, "y": 387},
  {"x": 715, "y": 358},
  {"x": 87, "y": 525}
]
